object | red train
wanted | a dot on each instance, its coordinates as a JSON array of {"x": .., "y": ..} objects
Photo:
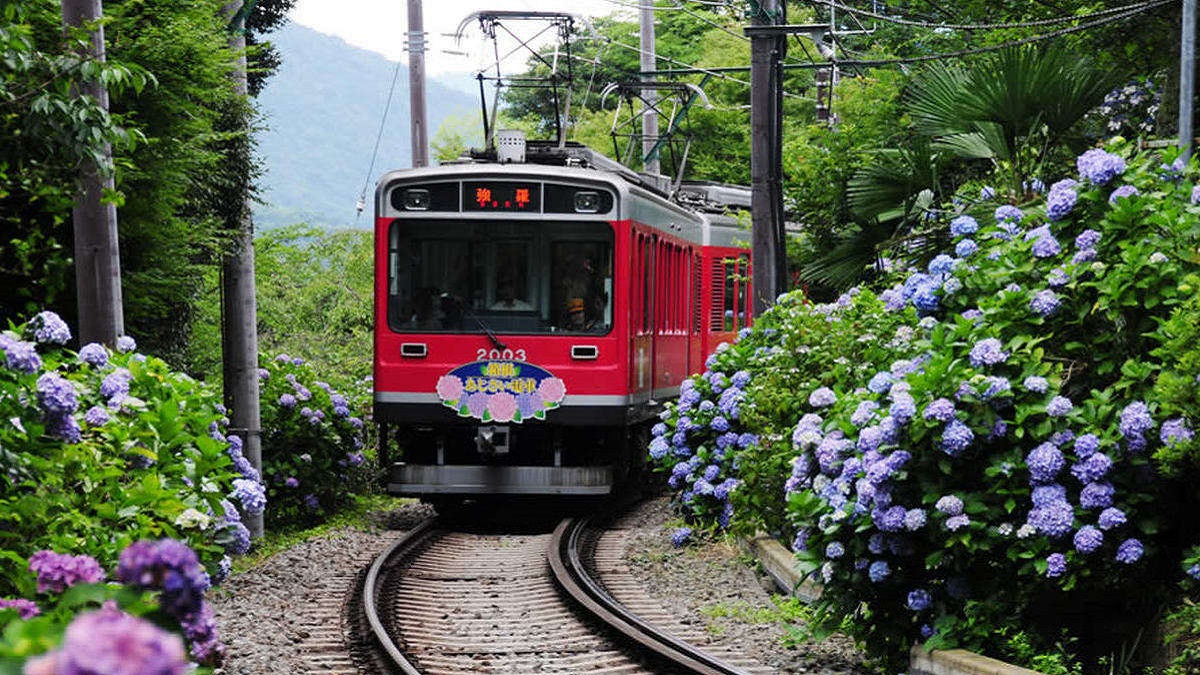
[{"x": 532, "y": 316}]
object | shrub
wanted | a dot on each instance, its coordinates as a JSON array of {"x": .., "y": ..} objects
[
  {"x": 312, "y": 443},
  {"x": 973, "y": 447}
]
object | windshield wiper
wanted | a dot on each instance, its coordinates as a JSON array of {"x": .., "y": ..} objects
[{"x": 462, "y": 305}]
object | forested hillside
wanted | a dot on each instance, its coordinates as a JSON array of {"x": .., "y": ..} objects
[{"x": 321, "y": 113}]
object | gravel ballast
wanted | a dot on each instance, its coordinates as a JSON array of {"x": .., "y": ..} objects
[{"x": 270, "y": 623}]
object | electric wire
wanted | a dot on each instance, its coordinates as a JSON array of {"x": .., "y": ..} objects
[
  {"x": 362, "y": 198},
  {"x": 985, "y": 26}
]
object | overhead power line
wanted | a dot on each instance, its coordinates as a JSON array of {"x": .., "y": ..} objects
[{"x": 986, "y": 26}]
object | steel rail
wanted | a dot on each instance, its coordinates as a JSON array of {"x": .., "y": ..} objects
[
  {"x": 402, "y": 546},
  {"x": 571, "y": 575}
]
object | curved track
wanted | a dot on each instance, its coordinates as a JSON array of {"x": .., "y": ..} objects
[{"x": 448, "y": 602}]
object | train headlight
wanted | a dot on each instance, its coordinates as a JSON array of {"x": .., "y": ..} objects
[
  {"x": 416, "y": 199},
  {"x": 587, "y": 202}
]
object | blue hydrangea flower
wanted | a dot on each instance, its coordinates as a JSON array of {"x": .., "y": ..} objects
[
  {"x": 1124, "y": 191},
  {"x": 250, "y": 494},
  {"x": 878, "y": 571},
  {"x": 96, "y": 416},
  {"x": 1111, "y": 517},
  {"x": 1043, "y": 495},
  {"x": 1175, "y": 431},
  {"x": 966, "y": 248},
  {"x": 949, "y": 505},
  {"x": 915, "y": 519},
  {"x": 49, "y": 327},
  {"x": 1099, "y": 167},
  {"x": 1046, "y": 246},
  {"x": 1195, "y": 198},
  {"x": 956, "y": 438},
  {"x": 963, "y": 225},
  {"x": 941, "y": 264},
  {"x": 987, "y": 193},
  {"x": 903, "y": 408},
  {"x": 1059, "y": 406},
  {"x": 719, "y": 424},
  {"x": 1036, "y": 384},
  {"x": 1008, "y": 212},
  {"x": 681, "y": 536},
  {"x": 1086, "y": 445},
  {"x": 1056, "y": 565},
  {"x": 1044, "y": 462},
  {"x": 1092, "y": 468},
  {"x": 835, "y": 550},
  {"x": 822, "y": 398},
  {"x": 1130, "y": 551},
  {"x": 1044, "y": 303},
  {"x": 1060, "y": 202},
  {"x": 94, "y": 353},
  {"x": 1054, "y": 519},
  {"x": 1088, "y": 539},
  {"x": 919, "y": 600},
  {"x": 880, "y": 382},
  {"x": 1136, "y": 420},
  {"x": 56, "y": 395},
  {"x": 1087, "y": 239},
  {"x": 126, "y": 344},
  {"x": 941, "y": 410},
  {"x": 659, "y": 447},
  {"x": 988, "y": 352},
  {"x": 1036, "y": 185},
  {"x": 1096, "y": 495},
  {"x": 890, "y": 519},
  {"x": 1058, "y": 278},
  {"x": 864, "y": 413},
  {"x": 956, "y": 523}
]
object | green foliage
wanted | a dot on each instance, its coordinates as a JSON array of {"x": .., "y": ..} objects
[
  {"x": 1182, "y": 638},
  {"x": 312, "y": 443}
]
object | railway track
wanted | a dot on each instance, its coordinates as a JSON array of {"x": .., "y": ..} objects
[{"x": 445, "y": 602}]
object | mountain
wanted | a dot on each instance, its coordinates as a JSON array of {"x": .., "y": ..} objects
[{"x": 321, "y": 114}]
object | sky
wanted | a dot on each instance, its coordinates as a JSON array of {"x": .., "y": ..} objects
[{"x": 382, "y": 26}]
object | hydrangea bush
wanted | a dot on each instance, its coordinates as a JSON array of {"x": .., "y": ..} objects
[
  {"x": 973, "y": 449},
  {"x": 100, "y": 449},
  {"x": 312, "y": 444}
]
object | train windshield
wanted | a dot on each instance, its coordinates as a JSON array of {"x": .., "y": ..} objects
[{"x": 459, "y": 276}]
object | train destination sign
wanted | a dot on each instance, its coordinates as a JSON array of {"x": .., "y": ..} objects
[
  {"x": 502, "y": 196},
  {"x": 501, "y": 391}
]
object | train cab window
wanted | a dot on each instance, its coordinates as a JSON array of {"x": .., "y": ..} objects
[{"x": 470, "y": 276}]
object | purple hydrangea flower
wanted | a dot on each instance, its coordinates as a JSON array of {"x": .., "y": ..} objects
[
  {"x": 1099, "y": 167},
  {"x": 950, "y": 505},
  {"x": 1059, "y": 406},
  {"x": 26, "y": 609},
  {"x": 111, "y": 641},
  {"x": 1088, "y": 539},
  {"x": 1037, "y": 385},
  {"x": 1046, "y": 246},
  {"x": 292, "y": 482},
  {"x": 1042, "y": 495},
  {"x": 1087, "y": 239},
  {"x": 237, "y": 538},
  {"x": 890, "y": 519},
  {"x": 58, "y": 571},
  {"x": 966, "y": 248},
  {"x": 287, "y": 400},
  {"x": 919, "y": 600},
  {"x": 963, "y": 225},
  {"x": 94, "y": 353},
  {"x": 903, "y": 408},
  {"x": 988, "y": 352},
  {"x": 96, "y": 416},
  {"x": 1086, "y": 445},
  {"x": 115, "y": 386},
  {"x": 835, "y": 550},
  {"x": 1130, "y": 551},
  {"x": 311, "y": 502},
  {"x": 1122, "y": 192},
  {"x": 915, "y": 519},
  {"x": 1110, "y": 518},
  {"x": 1056, "y": 565},
  {"x": 19, "y": 355},
  {"x": 1044, "y": 303},
  {"x": 1195, "y": 198},
  {"x": 955, "y": 523},
  {"x": 167, "y": 565},
  {"x": 864, "y": 413},
  {"x": 987, "y": 193},
  {"x": 1058, "y": 278},
  {"x": 56, "y": 395},
  {"x": 1044, "y": 462}
]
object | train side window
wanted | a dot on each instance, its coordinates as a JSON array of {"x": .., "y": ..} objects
[
  {"x": 581, "y": 285},
  {"x": 731, "y": 294},
  {"x": 716, "y": 319},
  {"x": 744, "y": 291},
  {"x": 647, "y": 283},
  {"x": 697, "y": 292}
]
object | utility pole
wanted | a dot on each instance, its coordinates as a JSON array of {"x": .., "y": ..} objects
[
  {"x": 650, "y": 163},
  {"x": 766, "y": 198},
  {"x": 97, "y": 253},
  {"x": 416, "y": 83},
  {"x": 239, "y": 316},
  {"x": 1187, "y": 77}
]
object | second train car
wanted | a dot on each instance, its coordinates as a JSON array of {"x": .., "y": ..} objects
[{"x": 533, "y": 315}]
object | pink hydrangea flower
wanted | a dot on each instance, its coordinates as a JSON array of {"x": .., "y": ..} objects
[
  {"x": 449, "y": 387},
  {"x": 502, "y": 406},
  {"x": 552, "y": 390}
]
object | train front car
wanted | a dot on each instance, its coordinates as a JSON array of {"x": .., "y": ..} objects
[{"x": 504, "y": 358}]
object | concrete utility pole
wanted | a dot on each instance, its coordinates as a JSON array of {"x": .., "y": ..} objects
[
  {"x": 97, "y": 253},
  {"x": 239, "y": 316},
  {"x": 1187, "y": 76},
  {"x": 766, "y": 188},
  {"x": 416, "y": 83},
  {"x": 649, "y": 65}
]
